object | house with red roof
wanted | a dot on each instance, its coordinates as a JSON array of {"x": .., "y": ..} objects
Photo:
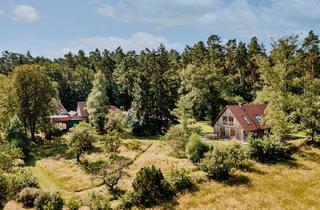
[
  {"x": 65, "y": 120},
  {"x": 237, "y": 121}
]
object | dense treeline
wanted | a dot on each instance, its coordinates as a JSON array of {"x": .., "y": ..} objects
[{"x": 207, "y": 75}]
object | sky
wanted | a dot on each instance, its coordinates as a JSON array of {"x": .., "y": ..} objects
[{"x": 52, "y": 28}]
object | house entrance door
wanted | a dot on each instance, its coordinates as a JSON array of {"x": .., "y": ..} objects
[{"x": 222, "y": 132}]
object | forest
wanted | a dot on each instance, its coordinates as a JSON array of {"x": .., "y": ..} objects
[{"x": 157, "y": 94}]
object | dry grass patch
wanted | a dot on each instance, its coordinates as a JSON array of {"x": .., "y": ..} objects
[{"x": 282, "y": 186}]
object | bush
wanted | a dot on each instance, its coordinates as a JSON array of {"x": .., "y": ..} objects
[
  {"x": 27, "y": 196},
  {"x": 128, "y": 200},
  {"x": 98, "y": 202},
  {"x": 8, "y": 156},
  {"x": 115, "y": 121},
  {"x": 269, "y": 149},
  {"x": 151, "y": 188},
  {"x": 177, "y": 138},
  {"x": 20, "y": 180},
  {"x": 4, "y": 190},
  {"x": 112, "y": 144},
  {"x": 74, "y": 203},
  {"x": 196, "y": 148},
  {"x": 222, "y": 159},
  {"x": 92, "y": 166},
  {"x": 180, "y": 181},
  {"x": 47, "y": 201},
  {"x": 81, "y": 138},
  {"x": 133, "y": 145},
  {"x": 16, "y": 135}
]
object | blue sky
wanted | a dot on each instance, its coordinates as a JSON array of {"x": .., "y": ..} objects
[{"x": 54, "y": 27}]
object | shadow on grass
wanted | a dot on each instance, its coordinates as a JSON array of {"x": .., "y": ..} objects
[{"x": 237, "y": 180}]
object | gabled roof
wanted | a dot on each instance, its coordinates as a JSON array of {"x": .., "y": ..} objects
[
  {"x": 82, "y": 109},
  {"x": 248, "y": 115}
]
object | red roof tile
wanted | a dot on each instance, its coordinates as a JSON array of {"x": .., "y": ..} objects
[{"x": 246, "y": 115}]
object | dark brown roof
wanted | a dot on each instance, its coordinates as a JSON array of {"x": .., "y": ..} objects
[
  {"x": 247, "y": 115},
  {"x": 82, "y": 109}
]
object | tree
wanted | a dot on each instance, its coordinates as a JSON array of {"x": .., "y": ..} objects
[
  {"x": 98, "y": 101},
  {"x": 112, "y": 144},
  {"x": 7, "y": 104},
  {"x": 279, "y": 90},
  {"x": 80, "y": 139},
  {"x": 35, "y": 93},
  {"x": 153, "y": 96}
]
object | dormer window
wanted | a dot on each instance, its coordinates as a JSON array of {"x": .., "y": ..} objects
[
  {"x": 246, "y": 119},
  {"x": 258, "y": 118}
]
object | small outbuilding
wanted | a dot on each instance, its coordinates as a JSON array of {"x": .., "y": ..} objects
[{"x": 237, "y": 121}]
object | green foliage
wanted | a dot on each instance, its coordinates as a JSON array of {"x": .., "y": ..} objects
[
  {"x": 74, "y": 203},
  {"x": 21, "y": 179},
  {"x": 112, "y": 144},
  {"x": 133, "y": 145},
  {"x": 49, "y": 201},
  {"x": 98, "y": 202},
  {"x": 27, "y": 196},
  {"x": 98, "y": 101},
  {"x": 15, "y": 134},
  {"x": 222, "y": 159},
  {"x": 81, "y": 138},
  {"x": 128, "y": 200},
  {"x": 115, "y": 121},
  {"x": 180, "y": 180},
  {"x": 269, "y": 149},
  {"x": 154, "y": 93},
  {"x": 34, "y": 92},
  {"x": 177, "y": 138},
  {"x": 151, "y": 187},
  {"x": 9, "y": 155},
  {"x": 4, "y": 190},
  {"x": 196, "y": 148},
  {"x": 92, "y": 166}
]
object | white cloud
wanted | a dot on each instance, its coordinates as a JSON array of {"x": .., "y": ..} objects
[
  {"x": 137, "y": 41},
  {"x": 59, "y": 53},
  {"x": 243, "y": 18},
  {"x": 25, "y": 13}
]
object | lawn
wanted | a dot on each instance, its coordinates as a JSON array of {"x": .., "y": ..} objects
[{"x": 292, "y": 185}]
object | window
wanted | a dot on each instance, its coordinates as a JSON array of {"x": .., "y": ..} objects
[
  {"x": 258, "y": 118},
  {"x": 230, "y": 121},
  {"x": 225, "y": 120},
  {"x": 246, "y": 119}
]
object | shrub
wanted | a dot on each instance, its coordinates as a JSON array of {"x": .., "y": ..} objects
[
  {"x": 4, "y": 190},
  {"x": 180, "y": 181},
  {"x": 128, "y": 200},
  {"x": 115, "y": 121},
  {"x": 20, "y": 180},
  {"x": 27, "y": 196},
  {"x": 196, "y": 148},
  {"x": 16, "y": 135},
  {"x": 98, "y": 202},
  {"x": 80, "y": 139},
  {"x": 47, "y": 201},
  {"x": 74, "y": 203},
  {"x": 8, "y": 156},
  {"x": 269, "y": 149},
  {"x": 92, "y": 166},
  {"x": 219, "y": 162},
  {"x": 133, "y": 145},
  {"x": 177, "y": 138},
  {"x": 112, "y": 144},
  {"x": 151, "y": 187}
]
